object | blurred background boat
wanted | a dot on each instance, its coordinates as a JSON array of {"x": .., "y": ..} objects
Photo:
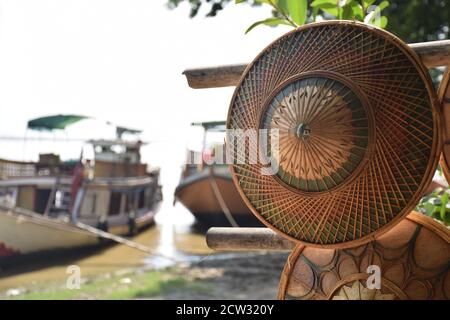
[
  {"x": 53, "y": 204},
  {"x": 206, "y": 188}
]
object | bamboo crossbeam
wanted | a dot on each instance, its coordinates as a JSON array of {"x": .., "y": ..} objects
[
  {"x": 433, "y": 54},
  {"x": 247, "y": 239}
]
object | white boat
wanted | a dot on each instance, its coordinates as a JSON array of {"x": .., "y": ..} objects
[{"x": 51, "y": 204}]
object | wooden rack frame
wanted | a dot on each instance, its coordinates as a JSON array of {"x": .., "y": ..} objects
[
  {"x": 247, "y": 239},
  {"x": 433, "y": 54}
]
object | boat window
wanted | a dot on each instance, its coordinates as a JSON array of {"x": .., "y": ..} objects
[
  {"x": 61, "y": 202},
  {"x": 114, "y": 203},
  {"x": 58, "y": 198},
  {"x": 42, "y": 196},
  {"x": 141, "y": 201}
]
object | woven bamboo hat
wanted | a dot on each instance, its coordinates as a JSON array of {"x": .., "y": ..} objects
[
  {"x": 413, "y": 258},
  {"x": 444, "y": 100},
  {"x": 357, "y": 123}
]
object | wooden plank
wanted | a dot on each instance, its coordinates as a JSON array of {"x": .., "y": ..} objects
[
  {"x": 214, "y": 77},
  {"x": 433, "y": 54},
  {"x": 247, "y": 239}
]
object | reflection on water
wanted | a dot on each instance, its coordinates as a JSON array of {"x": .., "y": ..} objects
[{"x": 173, "y": 235}]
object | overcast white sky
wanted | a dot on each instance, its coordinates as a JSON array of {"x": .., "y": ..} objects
[{"x": 117, "y": 60}]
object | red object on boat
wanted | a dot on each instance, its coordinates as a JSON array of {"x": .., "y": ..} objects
[
  {"x": 7, "y": 252},
  {"x": 208, "y": 156},
  {"x": 77, "y": 180}
]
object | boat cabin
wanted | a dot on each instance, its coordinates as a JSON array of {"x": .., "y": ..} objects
[
  {"x": 212, "y": 149},
  {"x": 110, "y": 188}
]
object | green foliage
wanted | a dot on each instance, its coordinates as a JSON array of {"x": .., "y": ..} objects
[
  {"x": 419, "y": 20},
  {"x": 295, "y": 12},
  {"x": 411, "y": 20},
  {"x": 436, "y": 205},
  {"x": 268, "y": 22},
  {"x": 283, "y": 10},
  {"x": 298, "y": 10}
]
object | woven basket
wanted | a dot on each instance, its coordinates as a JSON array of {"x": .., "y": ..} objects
[{"x": 414, "y": 260}]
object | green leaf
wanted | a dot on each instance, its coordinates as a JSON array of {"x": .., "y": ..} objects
[
  {"x": 298, "y": 10},
  {"x": 330, "y": 9},
  {"x": 429, "y": 208},
  {"x": 343, "y": 3},
  {"x": 240, "y": 1},
  {"x": 282, "y": 5},
  {"x": 368, "y": 2},
  {"x": 383, "y": 22},
  {"x": 377, "y": 9},
  {"x": 314, "y": 13},
  {"x": 328, "y": 6},
  {"x": 347, "y": 13},
  {"x": 444, "y": 200},
  {"x": 447, "y": 219},
  {"x": 383, "y": 5},
  {"x": 357, "y": 9},
  {"x": 371, "y": 19},
  {"x": 268, "y": 22},
  {"x": 318, "y": 3}
]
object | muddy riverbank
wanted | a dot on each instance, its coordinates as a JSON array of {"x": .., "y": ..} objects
[
  {"x": 225, "y": 276},
  {"x": 118, "y": 271}
]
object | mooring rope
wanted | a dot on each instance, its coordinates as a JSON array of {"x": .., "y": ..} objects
[
  {"x": 220, "y": 199},
  {"x": 66, "y": 226}
]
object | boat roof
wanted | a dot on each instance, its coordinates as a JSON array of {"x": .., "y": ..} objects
[
  {"x": 59, "y": 121},
  {"x": 62, "y": 121},
  {"x": 121, "y": 130},
  {"x": 211, "y": 125}
]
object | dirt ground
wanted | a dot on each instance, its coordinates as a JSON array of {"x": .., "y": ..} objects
[
  {"x": 219, "y": 277},
  {"x": 249, "y": 276}
]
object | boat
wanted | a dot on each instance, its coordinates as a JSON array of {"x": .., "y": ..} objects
[
  {"x": 206, "y": 187},
  {"x": 53, "y": 205}
]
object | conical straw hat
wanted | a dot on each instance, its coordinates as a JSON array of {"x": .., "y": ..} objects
[{"x": 357, "y": 124}]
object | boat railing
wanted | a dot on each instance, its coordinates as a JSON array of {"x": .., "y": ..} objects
[
  {"x": 102, "y": 169},
  {"x": 17, "y": 169}
]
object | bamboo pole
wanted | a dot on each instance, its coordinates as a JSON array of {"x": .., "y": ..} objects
[
  {"x": 247, "y": 239},
  {"x": 433, "y": 54}
]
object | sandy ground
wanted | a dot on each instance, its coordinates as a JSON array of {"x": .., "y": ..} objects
[
  {"x": 219, "y": 277},
  {"x": 249, "y": 276},
  {"x": 206, "y": 274}
]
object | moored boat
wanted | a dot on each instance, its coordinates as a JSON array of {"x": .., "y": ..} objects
[
  {"x": 206, "y": 188},
  {"x": 53, "y": 204}
]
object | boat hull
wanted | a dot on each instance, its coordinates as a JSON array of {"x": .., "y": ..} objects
[
  {"x": 197, "y": 194},
  {"x": 24, "y": 233},
  {"x": 20, "y": 234}
]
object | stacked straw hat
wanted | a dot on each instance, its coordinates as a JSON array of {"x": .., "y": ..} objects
[{"x": 347, "y": 125}]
